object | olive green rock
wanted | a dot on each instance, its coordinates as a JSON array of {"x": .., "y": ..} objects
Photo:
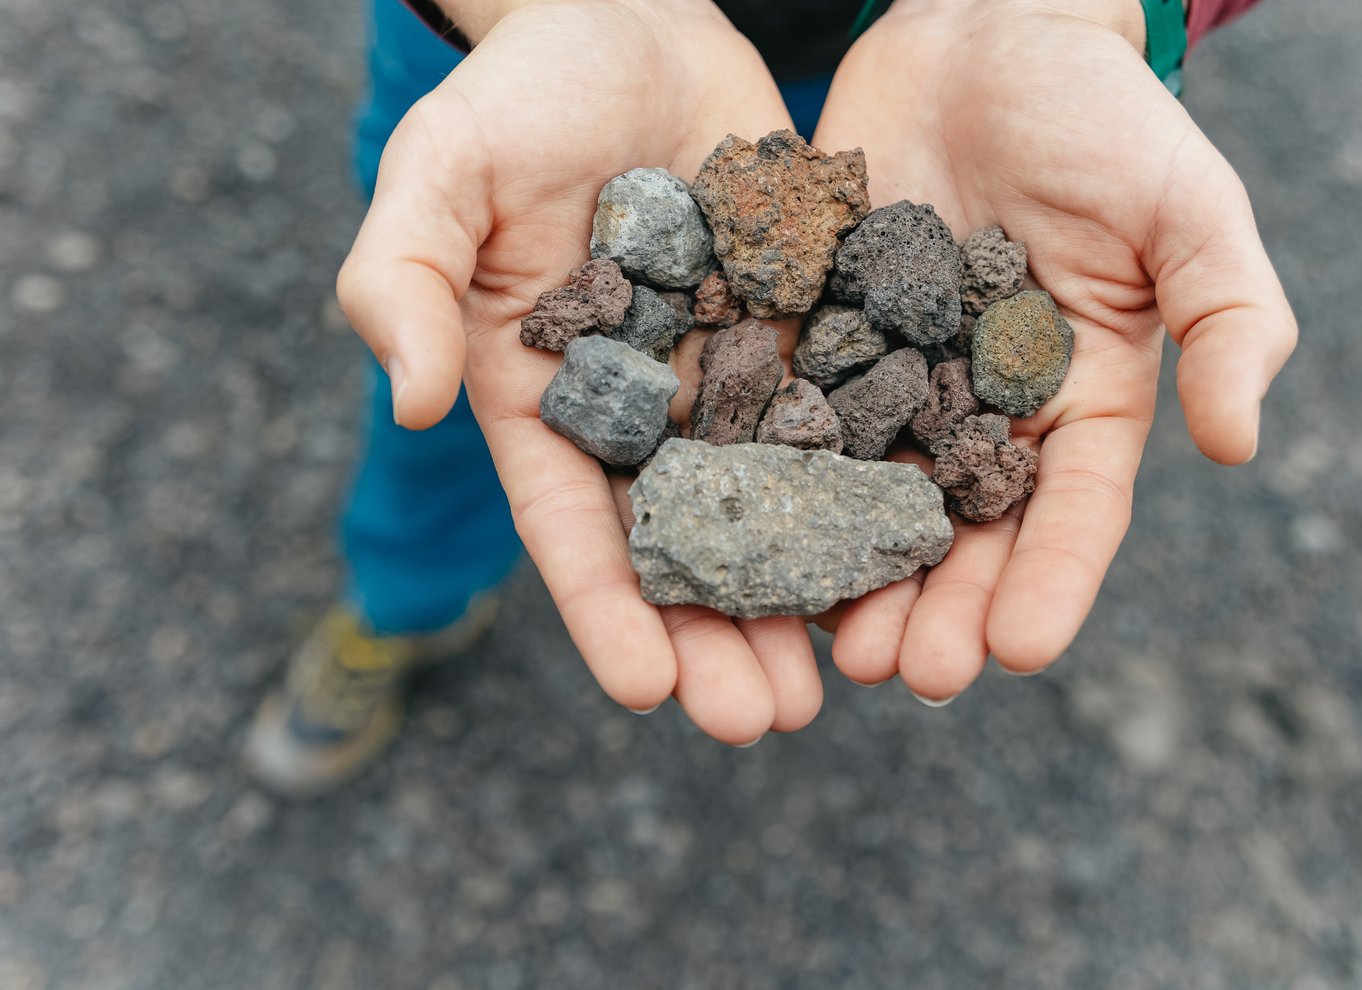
[{"x": 1021, "y": 352}]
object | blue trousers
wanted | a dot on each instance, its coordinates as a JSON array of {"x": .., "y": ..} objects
[{"x": 427, "y": 525}]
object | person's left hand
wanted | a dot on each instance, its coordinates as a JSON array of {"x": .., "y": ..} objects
[{"x": 1043, "y": 118}]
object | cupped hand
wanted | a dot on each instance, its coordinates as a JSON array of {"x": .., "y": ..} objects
[
  {"x": 485, "y": 199},
  {"x": 1041, "y": 116}
]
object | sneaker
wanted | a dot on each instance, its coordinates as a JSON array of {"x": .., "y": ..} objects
[{"x": 344, "y": 699}]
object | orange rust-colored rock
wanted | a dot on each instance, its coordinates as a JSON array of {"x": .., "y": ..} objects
[{"x": 777, "y": 209}]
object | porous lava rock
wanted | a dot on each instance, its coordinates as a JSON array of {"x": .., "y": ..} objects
[
  {"x": 874, "y": 407},
  {"x": 595, "y": 300},
  {"x": 609, "y": 399},
  {"x": 1021, "y": 352},
  {"x": 949, "y": 403},
  {"x": 777, "y": 209},
  {"x": 799, "y": 416},
  {"x": 902, "y": 266},
  {"x": 647, "y": 222},
  {"x": 715, "y": 303},
  {"x": 760, "y": 529},
  {"x": 740, "y": 369},
  {"x": 982, "y": 470},
  {"x": 651, "y": 325},
  {"x": 991, "y": 269},
  {"x": 836, "y": 342}
]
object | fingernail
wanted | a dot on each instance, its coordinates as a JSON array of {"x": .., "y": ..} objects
[
  {"x": 864, "y": 683},
  {"x": 1023, "y": 673},
  {"x": 646, "y": 711},
  {"x": 398, "y": 378},
  {"x": 749, "y": 745},
  {"x": 932, "y": 702}
]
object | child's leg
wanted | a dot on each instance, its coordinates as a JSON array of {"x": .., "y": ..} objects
[{"x": 427, "y": 524}]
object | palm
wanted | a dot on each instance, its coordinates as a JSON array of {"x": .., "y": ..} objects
[
  {"x": 1081, "y": 159},
  {"x": 485, "y": 199}
]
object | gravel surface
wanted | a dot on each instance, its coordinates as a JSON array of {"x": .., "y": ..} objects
[{"x": 1177, "y": 804}]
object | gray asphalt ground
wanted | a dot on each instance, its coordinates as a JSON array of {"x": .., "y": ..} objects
[{"x": 1177, "y": 804}]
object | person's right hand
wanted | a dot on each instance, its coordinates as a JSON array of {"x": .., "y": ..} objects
[{"x": 485, "y": 199}]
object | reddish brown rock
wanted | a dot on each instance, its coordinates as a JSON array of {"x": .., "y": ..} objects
[
  {"x": 982, "y": 470},
  {"x": 799, "y": 416},
  {"x": 874, "y": 407},
  {"x": 595, "y": 300},
  {"x": 991, "y": 269},
  {"x": 741, "y": 368},
  {"x": 715, "y": 303},
  {"x": 950, "y": 402},
  {"x": 777, "y": 209}
]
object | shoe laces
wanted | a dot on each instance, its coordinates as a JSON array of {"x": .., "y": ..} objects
[{"x": 346, "y": 673}]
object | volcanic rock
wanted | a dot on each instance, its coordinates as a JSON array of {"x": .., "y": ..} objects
[
  {"x": 949, "y": 402},
  {"x": 982, "y": 470},
  {"x": 609, "y": 399},
  {"x": 799, "y": 416},
  {"x": 1021, "y": 352},
  {"x": 903, "y": 267},
  {"x": 595, "y": 299},
  {"x": 991, "y": 269},
  {"x": 874, "y": 407},
  {"x": 740, "y": 369},
  {"x": 651, "y": 325},
  {"x": 715, "y": 303},
  {"x": 777, "y": 209},
  {"x": 759, "y": 529},
  {"x": 647, "y": 222},
  {"x": 836, "y": 342}
]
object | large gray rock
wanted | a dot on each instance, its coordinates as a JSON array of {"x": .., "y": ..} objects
[
  {"x": 756, "y": 529},
  {"x": 609, "y": 399},
  {"x": 648, "y": 224}
]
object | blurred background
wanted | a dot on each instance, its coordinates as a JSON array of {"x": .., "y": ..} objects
[{"x": 1178, "y": 803}]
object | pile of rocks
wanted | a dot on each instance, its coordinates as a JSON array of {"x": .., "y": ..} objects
[{"x": 765, "y": 503}]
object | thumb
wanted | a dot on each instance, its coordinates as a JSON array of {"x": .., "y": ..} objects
[
  {"x": 411, "y": 263},
  {"x": 1221, "y": 302}
]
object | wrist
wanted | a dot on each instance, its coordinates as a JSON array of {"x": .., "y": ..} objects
[
  {"x": 1121, "y": 17},
  {"x": 475, "y": 18}
]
